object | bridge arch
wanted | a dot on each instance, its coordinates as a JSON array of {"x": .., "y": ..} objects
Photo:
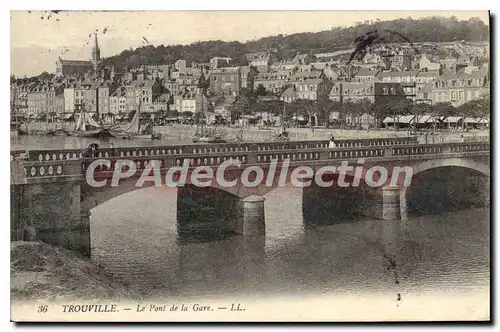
[
  {"x": 452, "y": 162},
  {"x": 92, "y": 197},
  {"x": 446, "y": 185}
]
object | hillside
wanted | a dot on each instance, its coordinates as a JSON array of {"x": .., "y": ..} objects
[{"x": 433, "y": 29}]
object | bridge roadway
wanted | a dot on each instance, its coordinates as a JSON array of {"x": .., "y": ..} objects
[{"x": 49, "y": 191}]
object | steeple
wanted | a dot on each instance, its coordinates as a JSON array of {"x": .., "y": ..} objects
[{"x": 96, "y": 53}]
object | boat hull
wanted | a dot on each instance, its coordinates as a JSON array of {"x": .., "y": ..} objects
[
  {"x": 208, "y": 140},
  {"x": 61, "y": 132},
  {"x": 124, "y": 135},
  {"x": 87, "y": 133}
]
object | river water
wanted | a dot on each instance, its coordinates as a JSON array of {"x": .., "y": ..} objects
[
  {"x": 70, "y": 142},
  {"x": 134, "y": 236}
]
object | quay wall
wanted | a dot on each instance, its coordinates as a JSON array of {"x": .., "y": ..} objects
[{"x": 256, "y": 134}]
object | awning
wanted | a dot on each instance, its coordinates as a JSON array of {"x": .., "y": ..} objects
[
  {"x": 453, "y": 119},
  {"x": 484, "y": 120},
  {"x": 424, "y": 118},
  {"x": 405, "y": 118},
  {"x": 429, "y": 119},
  {"x": 399, "y": 119},
  {"x": 472, "y": 120},
  {"x": 66, "y": 116}
]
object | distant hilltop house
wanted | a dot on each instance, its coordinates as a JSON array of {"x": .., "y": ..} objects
[
  {"x": 262, "y": 60},
  {"x": 218, "y": 62},
  {"x": 428, "y": 65}
]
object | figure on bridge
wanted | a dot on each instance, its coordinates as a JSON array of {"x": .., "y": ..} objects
[
  {"x": 92, "y": 150},
  {"x": 332, "y": 144}
]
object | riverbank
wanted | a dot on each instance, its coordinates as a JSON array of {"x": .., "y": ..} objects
[
  {"x": 42, "y": 271},
  {"x": 185, "y": 133}
]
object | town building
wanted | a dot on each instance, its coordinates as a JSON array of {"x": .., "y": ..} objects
[
  {"x": 191, "y": 101},
  {"x": 365, "y": 75},
  {"x": 45, "y": 99},
  {"x": 141, "y": 94},
  {"x": 457, "y": 87},
  {"x": 313, "y": 88},
  {"x": 422, "y": 79},
  {"x": 218, "y": 62},
  {"x": 117, "y": 104},
  {"x": 273, "y": 82},
  {"x": 425, "y": 64},
  {"x": 262, "y": 60},
  {"x": 352, "y": 91},
  {"x": 247, "y": 77},
  {"x": 225, "y": 81}
]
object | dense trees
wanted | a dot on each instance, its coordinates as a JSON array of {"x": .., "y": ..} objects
[{"x": 432, "y": 29}]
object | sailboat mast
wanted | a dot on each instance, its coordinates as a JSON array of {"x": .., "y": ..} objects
[
  {"x": 13, "y": 113},
  {"x": 202, "y": 112},
  {"x": 46, "y": 113},
  {"x": 283, "y": 117},
  {"x": 139, "y": 116}
]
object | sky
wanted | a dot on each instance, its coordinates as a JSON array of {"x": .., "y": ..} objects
[{"x": 38, "y": 38}]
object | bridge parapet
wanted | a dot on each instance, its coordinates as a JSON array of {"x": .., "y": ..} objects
[
  {"x": 73, "y": 154},
  {"x": 70, "y": 170},
  {"x": 15, "y": 154},
  {"x": 49, "y": 171}
]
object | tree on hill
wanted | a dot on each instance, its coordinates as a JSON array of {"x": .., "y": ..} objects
[
  {"x": 431, "y": 29},
  {"x": 261, "y": 90}
]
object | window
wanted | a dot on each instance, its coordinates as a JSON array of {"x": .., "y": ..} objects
[
  {"x": 393, "y": 91},
  {"x": 469, "y": 82},
  {"x": 385, "y": 91},
  {"x": 453, "y": 82},
  {"x": 214, "y": 78}
]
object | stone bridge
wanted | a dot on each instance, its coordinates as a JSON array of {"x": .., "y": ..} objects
[{"x": 50, "y": 189}]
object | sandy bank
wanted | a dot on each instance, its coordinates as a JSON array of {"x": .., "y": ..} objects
[{"x": 42, "y": 271}]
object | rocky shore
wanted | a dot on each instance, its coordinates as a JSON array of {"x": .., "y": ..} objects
[{"x": 42, "y": 271}]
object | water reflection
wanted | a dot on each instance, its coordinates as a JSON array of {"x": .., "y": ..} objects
[
  {"x": 135, "y": 237},
  {"x": 25, "y": 142}
]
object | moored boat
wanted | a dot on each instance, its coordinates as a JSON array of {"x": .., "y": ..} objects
[
  {"x": 132, "y": 130},
  {"x": 86, "y": 126}
]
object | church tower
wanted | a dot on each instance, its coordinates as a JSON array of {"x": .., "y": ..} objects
[{"x": 96, "y": 53}]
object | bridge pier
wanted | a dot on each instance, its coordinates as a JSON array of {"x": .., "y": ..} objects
[
  {"x": 403, "y": 205},
  {"x": 254, "y": 219},
  {"x": 51, "y": 213},
  {"x": 487, "y": 192},
  {"x": 394, "y": 203}
]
